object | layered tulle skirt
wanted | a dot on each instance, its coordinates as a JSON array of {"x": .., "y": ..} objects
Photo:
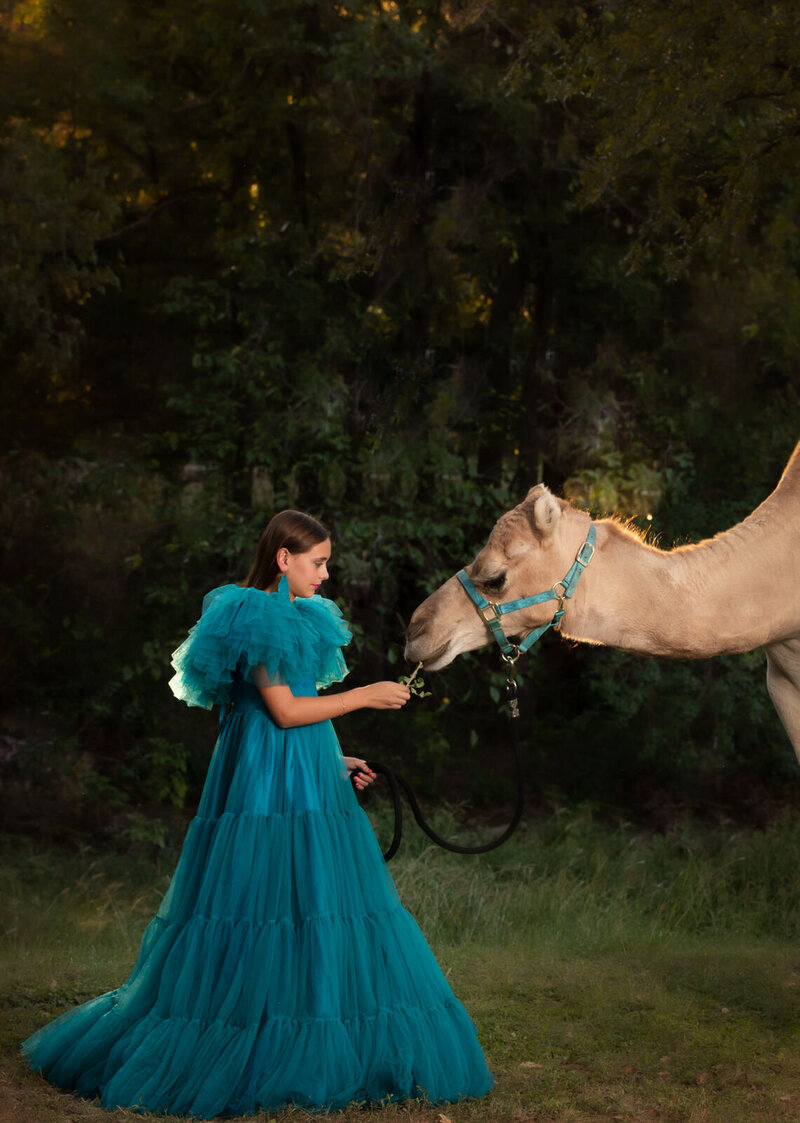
[{"x": 281, "y": 967}]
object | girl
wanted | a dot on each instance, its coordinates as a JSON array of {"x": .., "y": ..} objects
[{"x": 281, "y": 967}]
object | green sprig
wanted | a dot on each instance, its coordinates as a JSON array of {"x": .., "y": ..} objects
[{"x": 415, "y": 682}]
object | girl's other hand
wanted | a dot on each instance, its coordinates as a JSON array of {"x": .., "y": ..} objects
[
  {"x": 360, "y": 772},
  {"x": 386, "y": 695}
]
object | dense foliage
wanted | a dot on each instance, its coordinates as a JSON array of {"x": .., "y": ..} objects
[{"x": 391, "y": 263}]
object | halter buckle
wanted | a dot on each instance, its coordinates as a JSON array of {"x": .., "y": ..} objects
[
  {"x": 489, "y": 606},
  {"x": 585, "y": 554}
]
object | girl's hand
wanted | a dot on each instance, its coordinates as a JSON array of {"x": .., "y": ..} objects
[
  {"x": 363, "y": 773},
  {"x": 386, "y": 695}
]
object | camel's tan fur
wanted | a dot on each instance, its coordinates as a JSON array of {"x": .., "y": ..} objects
[{"x": 734, "y": 592}]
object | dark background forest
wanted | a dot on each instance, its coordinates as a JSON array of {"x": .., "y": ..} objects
[{"x": 391, "y": 263}]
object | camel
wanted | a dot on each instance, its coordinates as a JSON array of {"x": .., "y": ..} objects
[{"x": 731, "y": 593}]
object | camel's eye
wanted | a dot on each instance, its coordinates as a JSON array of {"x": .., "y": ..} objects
[{"x": 494, "y": 584}]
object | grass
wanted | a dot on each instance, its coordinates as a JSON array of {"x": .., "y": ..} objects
[{"x": 612, "y": 974}]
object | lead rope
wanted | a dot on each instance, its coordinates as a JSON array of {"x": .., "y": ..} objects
[{"x": 397, "y": 782}]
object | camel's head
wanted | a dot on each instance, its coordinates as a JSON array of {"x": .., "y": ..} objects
[{"x": 527, "y": 552}]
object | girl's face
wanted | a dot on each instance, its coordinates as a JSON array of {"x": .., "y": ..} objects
[{"x": 305, "y": 572}]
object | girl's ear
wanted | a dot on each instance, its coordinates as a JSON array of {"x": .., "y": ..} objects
[{"x": 282, "y": 558}]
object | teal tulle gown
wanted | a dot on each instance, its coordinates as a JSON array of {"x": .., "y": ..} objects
[{"x": 281, "y": 967}]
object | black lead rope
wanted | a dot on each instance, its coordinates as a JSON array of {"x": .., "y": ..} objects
[{"x": 396, "y": 782}]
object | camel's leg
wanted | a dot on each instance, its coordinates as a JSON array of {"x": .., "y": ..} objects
[{"x": 783, "y": 683}]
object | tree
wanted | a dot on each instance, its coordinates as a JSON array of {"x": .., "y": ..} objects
[{"x": 367, "y": 259}]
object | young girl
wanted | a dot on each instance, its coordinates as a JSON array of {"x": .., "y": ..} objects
[{"x": 281, "y": 967}]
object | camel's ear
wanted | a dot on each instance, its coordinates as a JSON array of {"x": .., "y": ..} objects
[{"x": 542, "y": 511}]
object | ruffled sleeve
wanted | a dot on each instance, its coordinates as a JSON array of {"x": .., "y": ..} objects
[
  {"x": 325, "y": 621},
  {"x": 241, "y": 629}
]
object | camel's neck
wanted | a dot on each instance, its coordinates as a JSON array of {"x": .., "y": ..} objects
[{"x": 730, "y": 593}]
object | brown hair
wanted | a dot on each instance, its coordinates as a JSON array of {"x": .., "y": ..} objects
[{"x": 293, "y": 530}]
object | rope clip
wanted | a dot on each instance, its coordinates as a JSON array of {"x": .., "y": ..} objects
[{"x": 511, "y": 683}]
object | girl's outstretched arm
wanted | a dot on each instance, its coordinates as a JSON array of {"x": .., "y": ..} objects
[{"x": 288, "y": 711}]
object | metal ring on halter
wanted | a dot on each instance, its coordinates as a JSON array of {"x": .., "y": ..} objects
[{"x": 511, "y": 659}]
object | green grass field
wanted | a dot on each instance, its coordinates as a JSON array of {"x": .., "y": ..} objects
[{"x": 613, "y": 974}]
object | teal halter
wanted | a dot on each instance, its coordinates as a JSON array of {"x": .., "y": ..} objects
[{"x": 490, "y": 612}]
